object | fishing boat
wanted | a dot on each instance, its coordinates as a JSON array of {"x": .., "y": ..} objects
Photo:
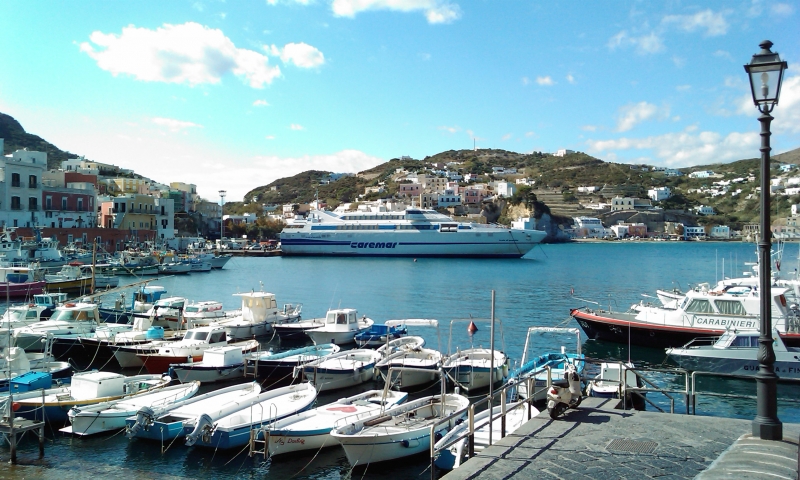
[
  {"x": 22, "y": 315},
  {"x": 425, "y": 363},
  {"x": 110, "y": 416},
  {"x": 296, "y": 331},
  {"x": 735, "y": 352},
  {"x": 276, "y": 368},
  {"x": 232, "y": 430},
  {"x": 408, "y": 342},
  {"x": 20, "y": 281},
  {"x": 218, "y": 364},
  {"x": 700, "y": 313},
  {"x": 617, "y": 380},
  {"x": 535, "y": 369},
  {"x": 341, "y": 327},
  {"x": 201, "y": 314},
  {"x": 400, "y": 431},
  {"x": 85, "y": 388},
  {"x": 343, "y": 369},
  {"x": 474, "y": 368},
  {"x": 259, "y": 313},
  {"x": 413, "y": 232},
  {"x": 167, "y": 421},
  {"x": 69, "y": 320},
  {"x": 452, "y": 456},
  {"x": 191, "y": 347},
  {"x": 311, "y": 430},
  {"x": 15, "y": 362}
]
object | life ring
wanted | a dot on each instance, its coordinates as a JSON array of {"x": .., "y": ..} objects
[{"x": 69, "y": 305}]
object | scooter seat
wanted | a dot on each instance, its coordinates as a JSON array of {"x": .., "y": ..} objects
[{"x": 561, "y": 383}]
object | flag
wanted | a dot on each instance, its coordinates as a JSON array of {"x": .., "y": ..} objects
[{"x": 472, "y": 328}]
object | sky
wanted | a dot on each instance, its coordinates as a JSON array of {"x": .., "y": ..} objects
[{"x": 232, "y": 95}]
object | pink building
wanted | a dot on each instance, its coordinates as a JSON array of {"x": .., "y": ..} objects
[{"x": 409, "y": 189}]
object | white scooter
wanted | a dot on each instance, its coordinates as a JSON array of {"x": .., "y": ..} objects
[{"x": 564, "y": 394}]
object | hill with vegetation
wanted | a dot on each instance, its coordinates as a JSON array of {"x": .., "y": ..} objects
[{"x": 16, "y": 138}]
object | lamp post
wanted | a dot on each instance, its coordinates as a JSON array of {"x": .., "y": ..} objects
[
  {"x": 766, "y": 73},
  {"x": 222, "y": 194}
]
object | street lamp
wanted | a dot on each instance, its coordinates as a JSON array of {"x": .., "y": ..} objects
[
  {"x": 222, "y": 194},
  {"x": 766, "y": 73}
]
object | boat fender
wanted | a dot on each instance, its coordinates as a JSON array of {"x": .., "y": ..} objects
[
  {"x": 437, "y": 436},
  {"x": 410, "y": 443}
]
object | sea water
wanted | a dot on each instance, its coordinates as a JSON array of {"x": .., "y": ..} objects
[{"x": 538, "y": 290}]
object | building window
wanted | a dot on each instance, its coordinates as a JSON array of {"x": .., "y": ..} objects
[
  {"x": 80, "y": 204},
  {"x": 32, "y": 183},
  {"x": 15, "y": 204},
  {"x": 48, "y": 202},
  {"x": 33, "y": 205},
  {"x": 63, "y": 203},
  {"x": 15, "y": 179}
]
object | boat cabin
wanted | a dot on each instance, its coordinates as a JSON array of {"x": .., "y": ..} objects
[
  {"x": 733, "y": 339},
  {"x": 257, "y": 306},
  {"x": 344, "y": 316},
  {"x": 96, "y": 384},
  {"x": 223, "y": 357},
  {"x": 210, "y": 335},
  {"x": 77, "y": 312},
  {"x": 203, "y": 309},
  {"x": 50, "y": 300}
]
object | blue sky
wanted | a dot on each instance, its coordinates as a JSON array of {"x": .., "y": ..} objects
[{"x": 235, "y": 94}]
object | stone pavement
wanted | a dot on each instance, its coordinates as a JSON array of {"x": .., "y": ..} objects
[{"x": 598, "y": 441}]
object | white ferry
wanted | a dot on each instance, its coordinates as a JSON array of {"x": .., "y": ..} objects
[{"x": 414, "y": 232}]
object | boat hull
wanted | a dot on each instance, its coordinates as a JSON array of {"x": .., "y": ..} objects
[
  {"x": 186, "y": 373},
  {"x": 325, "y": 379}
]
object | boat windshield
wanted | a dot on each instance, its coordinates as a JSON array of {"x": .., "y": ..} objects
[
  {"x": 197, "y": 335},
  {"x": 71, "y": 315}
]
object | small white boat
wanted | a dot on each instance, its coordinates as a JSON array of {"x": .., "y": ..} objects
[
  {"x": 341, "y": 327},
  {"x": 453, "y": 456},
  {"x": 218, "y": 364},
  {"x": 614, "y": 379},
  {"x": 424, "y": 364},
  {"x": 174, "y": 268},
  {"x": 69, "y": 319},
  {"x": 168, "y": 421},
  {"x": 201, "y": 314},
  {"x": 109, "y": 416},
  {"x": 311, "y": 430},
  {"x": 192, "y": 347},
  {"x": 400, "y": 431},
  {"x": 232, "y": 430},
  {"x": 343, "y": 369},
  {"x": 736, "y": 353},
  {"x": 409, "y": 342},
  {"x": 258, "y": 315},
  {"x": 472, "y": 368}
]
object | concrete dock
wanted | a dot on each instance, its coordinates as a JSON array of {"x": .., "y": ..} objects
[{"x": 598, "y": 441}]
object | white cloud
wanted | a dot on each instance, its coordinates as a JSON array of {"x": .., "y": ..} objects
[
  {"x": 435, "y": 11},
  {"x": 530, "y": 134},
  {"x": 506, "y": 137},
  {"x": 684, "y": 148},
  {"x": 260, "y": 103},
  {"x": 683, "y": 88},
  {"x": 723, "y": 54},
  {"x": 301, "y": 2},
  {"x": 714, "y": 24},
  {"x": 782, "y": 9},
  {"x": 425, "y": 56},
  {"x": 545, "y": 81},
  {"x": 645, "y": 44},
  {"x": 570, "y": 79},
  {"x": 296, "y": 127},
  {"x": 526, "y": 81},
  {"x": 301, "y": 54},
  {"x": 589, "y": 128},
  {"x": 450, "y": 129},
  {"x": 679, "y": 62},
  {"x": 174, "y": 125},
  {"x": 189, "y": 53},
  {"x": 632, "y": 115},
  {"x": 270, "y": 137}
]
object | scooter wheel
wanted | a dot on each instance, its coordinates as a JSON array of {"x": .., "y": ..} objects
[
  {"x": 557, "y": 411},
  {"x": 577, "y": 402}
]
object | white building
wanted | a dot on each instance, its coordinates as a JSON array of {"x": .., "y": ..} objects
[
  {"x": 659, "y": 194},
  {"x": 21, "y": 187},
  {"x": 448, "y": 199},
  {"x": 704, "y": 210},
  {"x": 505, "y": 189},
  {"x": 563, "y": 152},
  {"x": 720, "y": 232},
  {"x": 590, "y": 227},
  {"x": 701, "y": 174},
  {"x": 165, "y": 218},
  {"x": 588, "y": 189},
  {"x": 694, "y": 232}
]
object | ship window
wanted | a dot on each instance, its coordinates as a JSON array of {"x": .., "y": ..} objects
[
  {"x": 746, "y": 341},
  {"x": 341, "y": 319},
  {"x": 699, "y": 306},
  {"x": 217, "y": 337},
  {"x": 730, "y": 307}
]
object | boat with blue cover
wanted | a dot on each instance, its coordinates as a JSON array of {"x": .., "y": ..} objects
[
  {"x": 276, "y": 368},
  {"x": 378, "y": 335},
  {"x": 537, "y": 368}
]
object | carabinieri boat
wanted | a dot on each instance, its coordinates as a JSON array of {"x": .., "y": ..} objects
[{"x": 414, "y": 232}]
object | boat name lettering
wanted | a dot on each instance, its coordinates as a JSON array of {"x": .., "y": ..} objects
[
  {"x": 373, "y": 244},
  {"x": 724, "y": 322}
]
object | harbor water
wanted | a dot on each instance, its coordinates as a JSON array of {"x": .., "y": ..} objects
[{"x": 538, "y": 290}]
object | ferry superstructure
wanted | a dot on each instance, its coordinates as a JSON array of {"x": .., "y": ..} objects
[{"x": 414, "y": 232}]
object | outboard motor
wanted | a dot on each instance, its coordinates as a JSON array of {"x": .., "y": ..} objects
[
  {"x": 202, "y": 428},
  {"x": 144, "y": 419}
]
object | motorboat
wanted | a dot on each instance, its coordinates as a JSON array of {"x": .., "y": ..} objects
[
  {"x": 735, "y": 352},
  {"x": 20, "y": 280},
  {"x": 43, "y": 251},
  {"x": 475, "y": 368},
  {"x": 378, "y": 335},
  {"x": 540, "y": 370},
  {"x": 174, "y": 268},
  {"x": 423, "y": 363},
  {"x": 700, "y": 313},
  {"x": 22, "y": 315},
  {"x": 413, "y": 232},
  {"x": 276, "y": 368},
  {"x": 311, "y": 430},
  {"x": 618, "y": 380},
  {"x": 166, "y": 312},
  {"x": 68, "y": 321},
  {"x": 452, "y": 456},
  {"x": 219, "y": 364},
  {"x": 100, "y": 349},
  {"x": 110, "y": 416},
  {"x": 49, "y": 301},
  {"x": 259, "y": 313},
  {"x": 201, "y": 314},
  {"x": 85, "y": 388},
  {"x": 400, "y": 431},
  {"x": 191, "y": 347},
  {"x": 408, "y": 342},
  {"x": 341, "y": 327},
  {"x": 71, "y": 278},
  {"x": 232, "y": 429},
  {"x": 15, "y": 362},
  {"x": 165, "y": 422},
  {"x": 295, "y": 332},
  {"x": 343, "y": 369}
]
